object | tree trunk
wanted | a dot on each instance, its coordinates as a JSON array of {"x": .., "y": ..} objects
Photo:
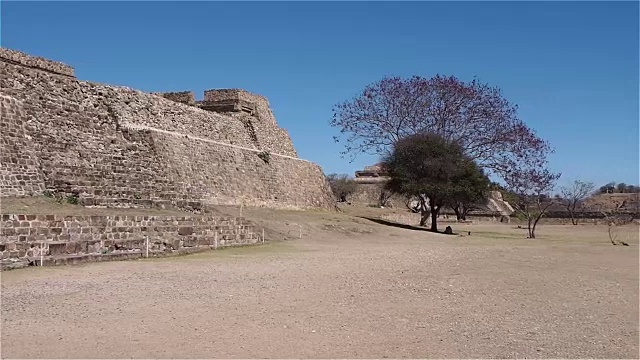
[
  {"x": 424, "y": 214},
  {"x": 434, "y": 218},
  {"x": 456, "y": 210},
  {"x": 574, "y": 220},
  {"x": 535, "y": 223},
  {"x": 531, "y": 228}
]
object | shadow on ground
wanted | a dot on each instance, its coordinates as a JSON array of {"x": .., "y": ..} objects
[
  {"x": 402, "y": 226},
  {"x": 394, "y": 224}
]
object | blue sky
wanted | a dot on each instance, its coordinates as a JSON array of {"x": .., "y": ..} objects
[{"x": 572, "y": 67}]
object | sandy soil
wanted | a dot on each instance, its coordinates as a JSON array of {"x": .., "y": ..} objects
[{"x": 350, "y": 288}]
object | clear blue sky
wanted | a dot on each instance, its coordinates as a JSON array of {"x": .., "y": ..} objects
[{"x": 572, "y": 67}]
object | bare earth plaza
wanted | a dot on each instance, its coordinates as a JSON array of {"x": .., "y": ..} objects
[{"x": 187, "y": 223}]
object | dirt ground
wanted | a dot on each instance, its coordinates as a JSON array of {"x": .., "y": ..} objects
[{"x": 348, "y": 288}]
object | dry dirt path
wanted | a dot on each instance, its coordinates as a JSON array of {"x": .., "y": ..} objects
[{"x": 346, "y": 290}]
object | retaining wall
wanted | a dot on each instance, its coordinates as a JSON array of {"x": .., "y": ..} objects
[{"x": 23, "y": 237}]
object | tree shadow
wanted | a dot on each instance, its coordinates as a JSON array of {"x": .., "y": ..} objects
[
  {"x": 402, "y": 226},
  {"x": 394, "y": 224}
]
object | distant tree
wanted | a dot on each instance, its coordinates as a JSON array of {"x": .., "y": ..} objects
[
  {"x": 475, "y": 115},
  {"x": 384, "y": 196},
  {"x": 573, "y": 195},
  {"x": 615, "y": 218},
  {"x": 529, "y": 184},
  {"x": 608, "y": 188},
  {"x": 612, "y": 188},
  {"x": 469, "y": 191},
  {"x": 433, "y": 169},
  {"x": 342, "y": 186}
]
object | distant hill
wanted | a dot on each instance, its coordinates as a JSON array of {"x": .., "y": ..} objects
[{"x": 627, "y": 202}]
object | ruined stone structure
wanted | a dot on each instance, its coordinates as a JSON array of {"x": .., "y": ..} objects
[
  {"x": 375, "y": 173},
  {"x": 120, "y": 147},
  {"x": 371, "y": 181},
  {"x": 110, "y": 146}
]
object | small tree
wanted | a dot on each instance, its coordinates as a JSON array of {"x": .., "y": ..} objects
[
  {"x": 615, "y": 218},
  {"x": 342, "y": 186},
  {"x": 573, "y": 195},
  {"x": 529, "y": 183},
  {"x": 384, "y": 196},
  {"x": 432, "y": 169},
  {"x": 471, "y": 189}
]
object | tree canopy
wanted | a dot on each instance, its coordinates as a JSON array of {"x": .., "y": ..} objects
[
  {"x": 469, "y": 191},
  {"x": 612, "y": 187},
  {"x": 472, "y": 114},
  {"x": 434, "y": 169}
]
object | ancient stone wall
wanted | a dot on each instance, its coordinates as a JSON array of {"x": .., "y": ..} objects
[
  {"x": 87, "y": 139},
  {"x": 23, "y": 236},
  {"x": 217, "y": 173},
  {"x": 19, "y": 165},
  {"x": 268, "y": 135},
  {"x": 35, "y": 62},
  {"x": 257, "y": 129},
  {"x": 184, "y": 97},
  {"x": 144, "y": 109},
  {"x": 78, "y": 140},
  {"x": 270, "y": 138},
  {"x": 369, "y": 194},
  {"x": 263, "y": 108}
]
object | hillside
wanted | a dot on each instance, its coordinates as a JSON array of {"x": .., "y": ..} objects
[{"x": 626, "y": 202}]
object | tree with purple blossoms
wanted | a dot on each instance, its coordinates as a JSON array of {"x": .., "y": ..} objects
[
  {"x": 473, "y": 114},
  {"x": 528, "y": 186}
]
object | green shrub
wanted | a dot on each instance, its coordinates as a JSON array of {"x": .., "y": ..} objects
[{"x": 73, "y": 199}]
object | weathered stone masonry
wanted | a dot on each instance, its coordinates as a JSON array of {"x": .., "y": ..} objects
[
  {"x": 36, "y": 62},
  {"x": 19, "y": 165},
  {"x": 115, "y": 146},
  {"x": 60, "y": 238}
]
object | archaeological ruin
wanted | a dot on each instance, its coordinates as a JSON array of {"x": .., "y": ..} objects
[
  {"x": 370, "y": 191},
  {"x": 117, "y": 147}
]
